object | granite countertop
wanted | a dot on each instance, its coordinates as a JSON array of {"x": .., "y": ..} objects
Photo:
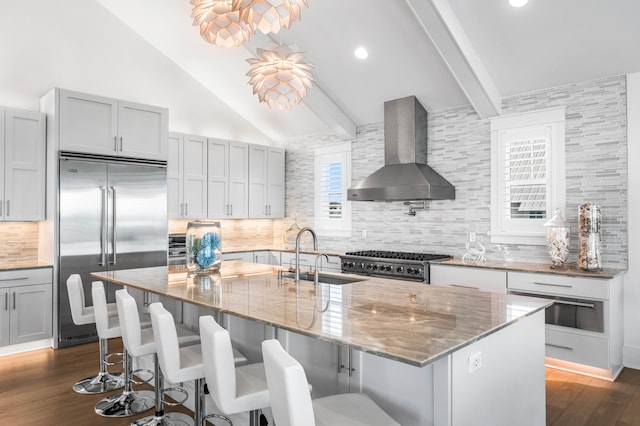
[
  {"x": 570, "y": 270},
  {"x": 405, "y": 321},
  {"x": 28, "y": 264}
]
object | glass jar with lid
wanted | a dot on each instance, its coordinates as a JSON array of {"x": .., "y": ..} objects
[
  {"x": 204, "y": 246},
  {"x": 557, "y": 236}
]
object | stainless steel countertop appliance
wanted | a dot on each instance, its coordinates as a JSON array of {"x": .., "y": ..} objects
[
  {"x": 177, "y": 249},
  {"x": 113, "y": 215},
  {"x": 390, "y": 264}
]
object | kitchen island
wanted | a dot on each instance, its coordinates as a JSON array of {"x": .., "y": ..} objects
[{"x": 414, "y": 345}]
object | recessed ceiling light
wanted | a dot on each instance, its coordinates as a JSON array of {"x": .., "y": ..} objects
[
  {"x": 361, "y": 53},
  {"x": 518, "y": 3}
]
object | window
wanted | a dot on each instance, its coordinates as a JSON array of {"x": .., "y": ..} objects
[
  {"x": 332, "y": 178},
  {"x": 527, "y": 174}
]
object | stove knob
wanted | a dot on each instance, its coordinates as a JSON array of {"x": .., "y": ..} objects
[
  {"x": 370, "y": 267},
  {"x": 400, "y": 269},
  {"x": 418, "y": 271},
  {"x": 389, "y": 268},
  {"x": 360, "y": 265},
  {"x": 375, "y": 267},
  {"x": 410, "y": 270}
]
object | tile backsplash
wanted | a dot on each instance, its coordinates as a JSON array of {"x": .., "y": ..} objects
[
  {"x": 18, "y": 241},
  {"x": 459, "y": 148}
]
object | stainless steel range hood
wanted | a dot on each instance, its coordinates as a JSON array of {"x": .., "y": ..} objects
[{"x": 405, "y": 175}]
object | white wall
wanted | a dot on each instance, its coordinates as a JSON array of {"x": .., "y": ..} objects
[
  {"x": 631, "y": 354},
  {"x": 79, "y": 45}
]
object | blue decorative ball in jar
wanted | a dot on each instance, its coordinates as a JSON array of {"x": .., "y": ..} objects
[{"x": 204, "y": 246}]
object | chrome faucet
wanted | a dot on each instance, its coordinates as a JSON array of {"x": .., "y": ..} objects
[
  {"x": 315, "y": 247},
  {"x": 316, "y": 275}
]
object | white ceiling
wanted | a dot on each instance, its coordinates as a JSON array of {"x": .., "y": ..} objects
[{"x": 508, "y": 51}]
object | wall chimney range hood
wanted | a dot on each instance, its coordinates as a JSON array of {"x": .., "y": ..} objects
[{"x": 405, "y": 175}]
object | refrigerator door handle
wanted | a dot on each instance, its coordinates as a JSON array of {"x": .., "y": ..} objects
[
  {"x": 113, "y": 224},
  {"x": 103, "y": 227}
]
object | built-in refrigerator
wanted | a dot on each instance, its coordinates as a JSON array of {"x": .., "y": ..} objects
[{"x": 112, "y": 215}]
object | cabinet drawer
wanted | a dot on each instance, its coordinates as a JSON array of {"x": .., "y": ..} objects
[
  {"x": 559, "y": 285},
  {"x": 577, "y": 348},
  {"x": 468, "y": 277},
  {"x": 25, "y": 277}
]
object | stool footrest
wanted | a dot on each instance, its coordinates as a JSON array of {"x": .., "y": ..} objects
[
  {"x": 141, "y": 382},
  {"x": 217, "y": 416},
  {"x": 107, "y": 356},
  {"x": 179, "y": 390}
]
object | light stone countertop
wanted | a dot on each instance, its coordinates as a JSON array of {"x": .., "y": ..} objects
[
  {"x": 29, "y": 264},
  {"x": 516, "y": 266},
  {"x": 401, "y": 320}
]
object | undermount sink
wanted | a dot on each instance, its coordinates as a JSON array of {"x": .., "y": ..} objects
[{"x": 324, "y": 278}]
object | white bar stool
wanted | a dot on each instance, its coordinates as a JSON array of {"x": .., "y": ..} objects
[
  {"x": 81, "y": 315},
  {"x": 139, "y": 342},
  {"x": 233, "y": 389},
  {"x": 128, "y": 402},
  {"x": 291, "y": 403}
]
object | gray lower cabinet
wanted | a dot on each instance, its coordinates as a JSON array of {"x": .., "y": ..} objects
[{"x": 26, "y": 306}]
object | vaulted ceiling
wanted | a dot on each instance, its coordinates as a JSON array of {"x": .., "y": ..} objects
[{"x": 446, "y": 52}]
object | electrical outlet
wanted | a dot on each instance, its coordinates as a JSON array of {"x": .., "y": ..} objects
[
  {"x": 475, "y": 362},
  {"x": 472, "y": 237}
]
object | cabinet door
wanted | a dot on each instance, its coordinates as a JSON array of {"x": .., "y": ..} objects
[
  {"x": 275, "y": 181},
  {"x": 218, "y": 179},
  {"x": 142, "y": 131},
  {"x": 31, "y": 313},
  {"x": 238, "y": 179},
  {"x": 195, "y": 177},
  {"x": 4, "y": 317},
  {"x": 1, "y": 163},
  {"x": 175, "y": 164},
  {"x": 88, "y": 123},
  {"x": 258, "y": 175},
  {"x": 24, "y": 166}
]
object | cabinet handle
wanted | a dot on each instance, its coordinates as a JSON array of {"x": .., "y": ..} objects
[
  {"x": 266, "y": 210},
  {"x": 8, "y": 210},
  {"x": 559, "y": 346},
  {"x": 1, "y": 204},
  {"x": 181, "y": 209},
  {"x": 464, "y": 286},
  {"x": 6, "y": 301},
  {"x": 554, "y": 285},
  {"x": 269, "y": 210},
  {"x": 115, "y": 143},
  {"x": 120, "y": 143},
  {"x": 186, "y": 209},
  {"x": 14, "y": 300},
  {"x": 230, "y": 209},
  {"x": 14, "y": 279},
  {"x": 579, "y": 304}
]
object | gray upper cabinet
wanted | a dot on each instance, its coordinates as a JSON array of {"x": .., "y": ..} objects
[
  {"x": 22, "y": 165},
  {"x": 104, "y": 126},
  {"x": 228, "y": 178},
  {"x": 266, "y": 182},
  {"x": 187, "y": 176}
]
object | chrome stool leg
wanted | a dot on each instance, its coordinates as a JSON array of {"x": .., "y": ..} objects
[
  {"x": 128, "y": 402},
  {"x": 160, "y": 417},
  {"x": 104, "y": 381}
]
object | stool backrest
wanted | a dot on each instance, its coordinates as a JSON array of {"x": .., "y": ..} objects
[
  {"x": 166, "y": 338},
  {"x": 79, "y": 313},
  {"x": 129, "y": 322},
  {"x": 217, "y": 360},
  {"x": 288, "y": 386},
  {"x": 100, "y": 309}
]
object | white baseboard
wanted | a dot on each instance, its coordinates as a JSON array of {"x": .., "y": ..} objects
[
  {"x": 25, "y": 347},
  {"x": 631, "y": 357}
]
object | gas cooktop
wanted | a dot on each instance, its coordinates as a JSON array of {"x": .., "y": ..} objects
[{"x": 382, "y": 254}]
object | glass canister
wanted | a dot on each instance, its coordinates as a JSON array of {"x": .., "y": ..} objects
[
  {"x": 204, "y": 246},
  {"x": 557, "y": 235},
  {"x": 589, "y": 228}
]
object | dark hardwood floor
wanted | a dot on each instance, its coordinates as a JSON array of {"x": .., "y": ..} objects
[{"x": 35, "y": 389}]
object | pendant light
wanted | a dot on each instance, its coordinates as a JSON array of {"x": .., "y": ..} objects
[
  {"x": 279, "y": 77},
  {"x": 220, "y": 22},
  {"x": 269, "y": 16}
]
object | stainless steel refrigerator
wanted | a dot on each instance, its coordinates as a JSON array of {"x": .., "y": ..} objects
[{"x": 112, "y": 215}]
